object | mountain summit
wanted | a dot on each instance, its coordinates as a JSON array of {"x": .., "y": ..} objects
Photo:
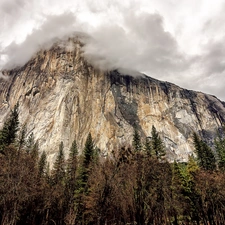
[{"x": 62, "y": 97}]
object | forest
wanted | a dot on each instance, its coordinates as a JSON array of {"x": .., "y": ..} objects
[{"x": 132, "y": 185}]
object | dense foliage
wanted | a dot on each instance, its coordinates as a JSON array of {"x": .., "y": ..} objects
[{"x": 134, "y": 185}]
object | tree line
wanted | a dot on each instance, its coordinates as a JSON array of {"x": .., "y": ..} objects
[{"x": 132, "y": 185}]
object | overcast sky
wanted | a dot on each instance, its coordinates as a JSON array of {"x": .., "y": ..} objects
[{"x": 178, "y": 41}]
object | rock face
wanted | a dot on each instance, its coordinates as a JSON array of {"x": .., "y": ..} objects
[{"x": 63, "y": 98}]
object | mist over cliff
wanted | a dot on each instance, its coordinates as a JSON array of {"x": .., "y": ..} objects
[
  {"x": 175, "y": 42},
  {"x": 63, "y": 97}
]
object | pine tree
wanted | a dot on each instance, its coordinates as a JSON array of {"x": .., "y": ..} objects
[
  {"x": 71, "y": 177},
  {"x": 198, "y": 149},
  {"x": 147, "y": 147},
  {"x": 220, "y": 150},
  {"x": 88, "y": 155},
  {"x": 83, "y": 174},
  {"x": 42, "y": 165},
  {"x": 204, "y": 153},
  {"x": 176, "y": 190},
  {"x": 136, "y": 141},
  {"x": 192, "y": 166},
  {"x": 10, "y": 128},
  {"x": 157, "y": 144},
  {"x": 58, "y": 185},
  {"x": 210, "y": 160},
  {"x": 58, "y": 172},
  {"x": 88, "y": 151},
  {"x": 72, "y": 166}
]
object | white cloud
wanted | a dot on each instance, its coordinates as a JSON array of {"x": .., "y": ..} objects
[
  {"x": 55, "y": 27},
  {"x": 139, "y": 43},
  {"x": 171, "y": 40}
]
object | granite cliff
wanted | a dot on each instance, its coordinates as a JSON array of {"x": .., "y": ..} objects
[{"x": 62, "y": 97}]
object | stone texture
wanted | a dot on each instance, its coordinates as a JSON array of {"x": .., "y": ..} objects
[{"x": 63, "y": 98}]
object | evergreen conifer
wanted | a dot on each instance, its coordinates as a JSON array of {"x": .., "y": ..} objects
[
  {"x": 136, "y": 141},
  {"x": 58, "y": 172},
  {"x": 220, "y": 150},
  {"x": 147, "y": 147},
  {"x": 42, "y": 165},
  {"x": 157, "y": 144},
  {"x": 205, "y": 156},
  {"x": 9, "y": 131}
]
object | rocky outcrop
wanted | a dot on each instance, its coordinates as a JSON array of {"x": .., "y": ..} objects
[{"x": 63, "y": 98}]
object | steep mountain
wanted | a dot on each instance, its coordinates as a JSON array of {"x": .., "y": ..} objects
[{"x": 62, "y": 97}]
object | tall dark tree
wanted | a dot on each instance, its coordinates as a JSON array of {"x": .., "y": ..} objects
[
  {"x": 71, "y": 180},
  {"x": 84, "y": 168},
  {"x": 82, "y": 179},
  {"x": 157, "y": 144},
  {"x": 42, "y": 165},
  {"x": 88, "y": 151},
  {"x": 9, "y": 131},
  {"x": 210, "y": 160},
  {"x": 57, "y": 183},
  {"x": 205, "y": 156},
  {"x": 58, "y": 172},
  {"x": 72, "y": 161},
  {"x": 71, "y": 172},
  {"x": 220, "y": 150},
  {"x": 136, "y": 141},
  {"x": 176, "y": 189},
  {"x": 198, "y": 149},
  {"x": 147, "y": 147}
]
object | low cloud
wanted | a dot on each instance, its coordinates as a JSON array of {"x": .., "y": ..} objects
[
  {"x": 55, "y": 28},
  {"x": 164, "y": 42},
  {"x": 140, "y": 43}
]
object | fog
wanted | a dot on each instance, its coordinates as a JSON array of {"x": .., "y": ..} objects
[{"x": 180, "y": 42}]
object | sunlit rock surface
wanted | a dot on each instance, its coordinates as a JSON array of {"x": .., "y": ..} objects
[{"x": 63, "y": 98}]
